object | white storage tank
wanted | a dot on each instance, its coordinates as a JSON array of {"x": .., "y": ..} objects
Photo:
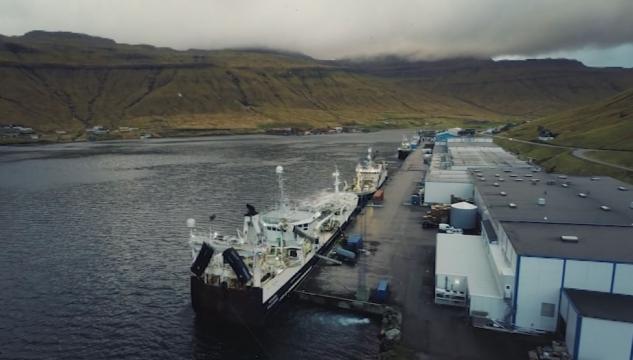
[{"x": 464, "y": 215}]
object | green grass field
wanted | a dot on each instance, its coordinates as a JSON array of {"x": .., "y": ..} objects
[{"x": 562, "y": 161}]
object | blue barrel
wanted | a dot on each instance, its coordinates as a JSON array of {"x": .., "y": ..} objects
[
  {"x": 382, "y": 291},
  {"x": 354, "y": 242}
]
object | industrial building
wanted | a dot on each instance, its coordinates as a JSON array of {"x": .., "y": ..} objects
[
  {"x": 555, "y": 253},
  {"x": 448, "y": 175}
]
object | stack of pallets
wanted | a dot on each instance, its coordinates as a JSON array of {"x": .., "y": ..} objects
[
  {"x": 558, "y": 351},
  {"x": 438, "y": 214}
]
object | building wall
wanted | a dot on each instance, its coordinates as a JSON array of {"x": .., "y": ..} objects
[
  {"x": 570, "y": 329},
  {"x": 622, "y": 279},
  {"x": 538, "y": 289},
  {"x": 588, "y": 275},
  {"x": 494, "y": 306},
  {"x": 605, "y": 339},
  {"x": 440, "y": 192}
]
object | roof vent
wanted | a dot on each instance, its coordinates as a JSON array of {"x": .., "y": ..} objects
[
  {"x": 562, "y": 176},
  {"x": 582, "y": 195},
  {"x": 631, "y": 206},
  {"x": 569, "y": 238},
  {"x": 503, "y": 193},
  {"x": 541, "y": 201},
  {"x": 507, "y": 171},
  {"x": 564, "y": 185},
  {"x": 622, "y": 188},
  {"x": 605, "y": 208},
  {"x": 482, "y": 179},
  {"x": 518, "y": 179},
  {"x": 512, "y": 205},
  {"x": 497, "y": 175},
  {"x": 502, "y": 179},
  {"x": 495, "y": 184},
  {"x": 528, "y": 175},
  {"x": 513, "y": 175},
  {"x": 595, "y": 178}
]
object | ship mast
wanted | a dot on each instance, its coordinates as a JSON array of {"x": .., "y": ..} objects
[
  {"x": 282, "y": 193},
  {"x": 337, "y": 181}
]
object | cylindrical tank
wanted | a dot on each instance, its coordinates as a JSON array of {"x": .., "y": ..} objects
[{"x": 463, "y": 215}]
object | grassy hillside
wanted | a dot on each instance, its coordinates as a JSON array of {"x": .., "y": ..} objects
[
  {"x": 606, "y": 124},
  {"x": 526, "y": 89},
  {"x": 65, "y": 81},
  {"x": 562, "y": 161}
]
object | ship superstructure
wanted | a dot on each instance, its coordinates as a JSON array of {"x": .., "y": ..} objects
[{"x": 242, "y": 277}]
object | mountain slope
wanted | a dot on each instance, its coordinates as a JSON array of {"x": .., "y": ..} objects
[
  {"x": 530, "y": 88},
  {"x": 71, "y": 81},
  {"x": 606, "y": 124}
]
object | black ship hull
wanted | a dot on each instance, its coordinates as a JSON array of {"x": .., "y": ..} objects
[
  {"x": 402, "y": 154},
  {"x": 244, "y": 306}
]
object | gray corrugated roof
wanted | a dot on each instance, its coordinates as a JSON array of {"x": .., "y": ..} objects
[
  {"x": 602, "y": 305},
  {"x": 563, "y": 204},
  {"x": 535, "y": 230},
  {"x": 599, "y": 243}
]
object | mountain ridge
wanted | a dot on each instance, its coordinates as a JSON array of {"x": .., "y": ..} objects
[{"x": 68, "y": 81}]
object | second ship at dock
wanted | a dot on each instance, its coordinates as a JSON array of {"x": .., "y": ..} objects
[{"x": 370, "y": 176}]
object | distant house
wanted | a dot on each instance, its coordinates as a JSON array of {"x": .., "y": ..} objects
[
  {"x": 97, "y": 130},
  {"x": 281, "y": 131},
  {"x": 443, "y": 136},
  {"x": 15, "y": 130},
  {"x": 545, "y": 134}
]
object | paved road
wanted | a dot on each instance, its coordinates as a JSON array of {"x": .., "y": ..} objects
[{"x": 579, "y": 153}]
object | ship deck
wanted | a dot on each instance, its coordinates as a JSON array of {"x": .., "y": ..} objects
[{"x": 404, "y": 253}]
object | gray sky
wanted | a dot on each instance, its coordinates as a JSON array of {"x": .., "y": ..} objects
[{"x": 597, "y": 32}]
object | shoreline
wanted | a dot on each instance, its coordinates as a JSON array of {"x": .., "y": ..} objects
[{"x": 183, "y": 134}]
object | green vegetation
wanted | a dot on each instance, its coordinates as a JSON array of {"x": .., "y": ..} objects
[
  {"x": 561, "y": 160},
  {"x": 622, "y": 158},
  {"x": 66, "y": 81},
  {"x": 606, "y": 124}
]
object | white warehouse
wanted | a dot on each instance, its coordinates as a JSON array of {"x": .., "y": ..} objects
[
  {"x": 448, "y": 174},
  {"x": 546, "y": 239}
]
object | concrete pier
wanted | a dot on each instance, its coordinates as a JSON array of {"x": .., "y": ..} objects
[{"x": 398, "y": 249}]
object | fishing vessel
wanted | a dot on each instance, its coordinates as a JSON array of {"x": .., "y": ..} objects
[
  {"x": 415, "y": 142},
  {"x": 370, "y": 176},
  {"x": 241, "y": 278},
  {"x": 404, "y": 149}
]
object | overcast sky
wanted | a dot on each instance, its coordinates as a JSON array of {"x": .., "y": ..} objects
[{"x": 597, "y": 32}]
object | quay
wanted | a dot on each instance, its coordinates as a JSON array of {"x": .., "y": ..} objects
[{"x": 398, "y": 249}]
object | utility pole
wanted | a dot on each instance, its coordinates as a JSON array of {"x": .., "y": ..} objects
[{"x": 362, "y": 293}]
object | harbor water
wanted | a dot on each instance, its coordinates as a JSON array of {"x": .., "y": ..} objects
[{"x": 94, "y": 258}]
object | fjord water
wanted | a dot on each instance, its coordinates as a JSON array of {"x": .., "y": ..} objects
[{"x": 94, "y": 256}]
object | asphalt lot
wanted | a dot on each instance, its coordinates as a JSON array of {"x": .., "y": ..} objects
[{"x": 401, "y": 251}]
